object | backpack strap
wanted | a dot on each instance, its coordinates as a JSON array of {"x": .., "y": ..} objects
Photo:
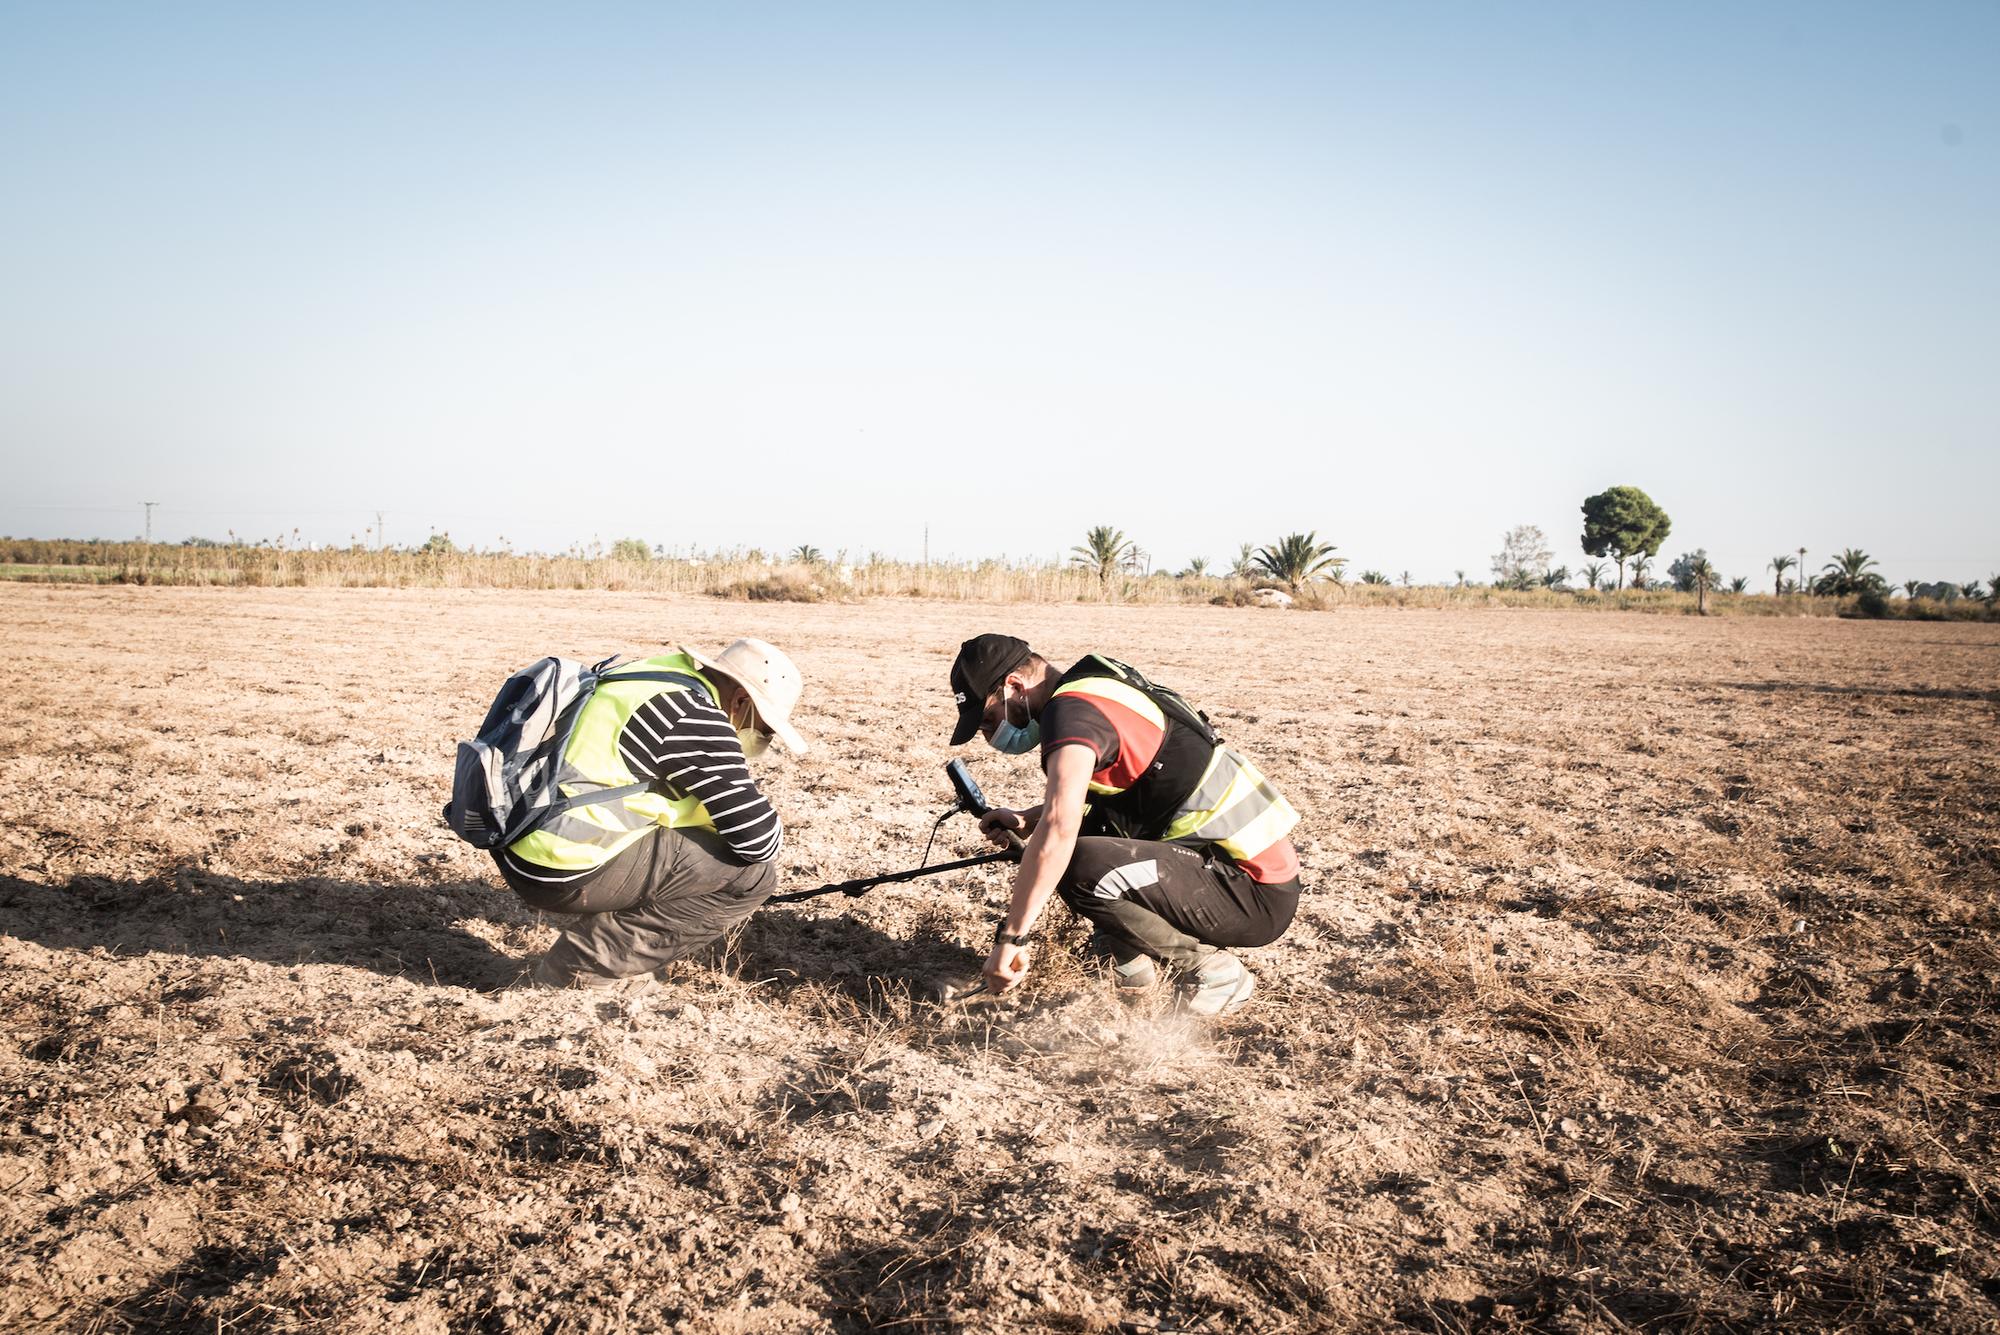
[
  {"x": 600, "y": 796},
  {"x": 608, "y": 671},
  {"x": 1170, "y": 701},
  {"x": 681, "y": 679}
]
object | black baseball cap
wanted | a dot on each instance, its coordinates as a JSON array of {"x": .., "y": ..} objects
[{"x": 983, "y": 662}]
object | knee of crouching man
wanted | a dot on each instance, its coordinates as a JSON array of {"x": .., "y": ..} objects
[{"x": 1096, "y": 881}]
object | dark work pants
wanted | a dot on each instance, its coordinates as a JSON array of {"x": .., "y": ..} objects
[
  {"x": 1175, "y": 903},
  {"x": 663, "y": 898}
]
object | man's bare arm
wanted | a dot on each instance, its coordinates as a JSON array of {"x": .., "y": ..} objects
[{"x": 1044, "y": 860}]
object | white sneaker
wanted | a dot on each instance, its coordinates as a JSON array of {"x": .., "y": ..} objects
[{"x": 1220, "y": 985}]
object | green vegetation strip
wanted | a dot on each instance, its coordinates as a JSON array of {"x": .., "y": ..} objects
[{"x": 59, "y": 574}]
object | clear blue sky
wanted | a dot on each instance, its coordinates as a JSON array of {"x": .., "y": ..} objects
[{"x": 1405, "y": 274}]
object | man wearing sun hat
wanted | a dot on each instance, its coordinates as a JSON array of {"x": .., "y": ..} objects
[
  {"x": 1172, "y": 845},
  {"x": 656, "y": 876}
]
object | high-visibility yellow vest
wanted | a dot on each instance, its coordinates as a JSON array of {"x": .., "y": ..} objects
[
  {"x": 590, "y": 836},
  {"x": 1196, "y": 790}
]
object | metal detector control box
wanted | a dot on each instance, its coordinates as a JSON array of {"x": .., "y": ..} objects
[{"x": 969, "y": 797}]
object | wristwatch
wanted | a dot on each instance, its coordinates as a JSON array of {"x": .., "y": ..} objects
[{"x": 1003, "y": 937}]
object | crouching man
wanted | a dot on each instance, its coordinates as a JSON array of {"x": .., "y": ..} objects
[
  {"x": 657, "y": 876},
  {"x": 1171, "y": 844}
]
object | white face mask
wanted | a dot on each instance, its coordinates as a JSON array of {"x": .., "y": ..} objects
[
  {"x": 754, "y": 742},
  {"x": 1010, "y": 740}
]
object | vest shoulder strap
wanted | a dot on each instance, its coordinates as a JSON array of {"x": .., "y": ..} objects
[{"x": 1170, "y": 701}]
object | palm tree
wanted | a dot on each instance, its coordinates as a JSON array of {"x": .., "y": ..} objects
[
  {"x": 1197, "y": 566},
  {"x": 1593, "y": 573},
  {"x": 1298, "y": 559},
  {"x": 1641, "y": 563},
  {"x": 1781, "y": 564},
  {"x": 1557, "y": 578},
  {"x": 1910, "y": 588},
  {"x": 1702, "y": 575},
  {"x": 1848, "y": 573},
  {"x": 1104, "y": 550},
  {"x": 1373, "y": 577},
  {"x": 1738, "y": 584},
  {"x": 808, "y": 555},
  {"x": 1970, "y": 590},
  {"x": 1245, "y": 564}
]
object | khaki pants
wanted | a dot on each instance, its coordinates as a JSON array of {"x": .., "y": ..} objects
[{"x": 660, "y": 900}]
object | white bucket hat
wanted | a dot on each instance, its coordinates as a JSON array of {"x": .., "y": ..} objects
[{"x": 770, "y": 680}]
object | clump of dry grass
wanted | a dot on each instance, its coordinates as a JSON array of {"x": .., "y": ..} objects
[{"x": 783, "y": 587}]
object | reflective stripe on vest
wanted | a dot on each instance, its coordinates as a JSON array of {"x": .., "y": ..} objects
[
  {"x": 586, "y": 837},
  {"x": 1134, "y": 699},
  {"x": 1232, "y": 806}
]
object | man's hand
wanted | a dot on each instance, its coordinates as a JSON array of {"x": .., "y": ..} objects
[
  {"x": 998, "y": 823},
  {"x": 1005, "y": 967}
]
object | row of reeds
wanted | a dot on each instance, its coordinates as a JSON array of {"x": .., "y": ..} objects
[{"x": 751, "y": 576}]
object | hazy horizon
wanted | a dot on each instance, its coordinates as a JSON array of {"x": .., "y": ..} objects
[{"x": 1404, "y": 277}]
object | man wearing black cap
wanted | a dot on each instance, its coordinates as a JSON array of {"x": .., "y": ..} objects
[{"x": 1173, "y": 845}]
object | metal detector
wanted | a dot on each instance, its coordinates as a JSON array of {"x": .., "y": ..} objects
[{"x": 967, "y": 798}]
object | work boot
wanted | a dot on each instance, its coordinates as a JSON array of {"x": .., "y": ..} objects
[
  {"x": 1133, "y": 971},
  {"x": 549, "y": 975},
  {"x": 1219, "y": 985},
  {"x": 1135, "y": 977}
]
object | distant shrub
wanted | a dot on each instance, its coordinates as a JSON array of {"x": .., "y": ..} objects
[
  {"x": 1931, "y": 609},
  {"x": 1873, "y": 604},
  {"x": 783, "y": 587}
]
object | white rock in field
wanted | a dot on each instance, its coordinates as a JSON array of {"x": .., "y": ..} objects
[{"x": 1271, "y": 598}]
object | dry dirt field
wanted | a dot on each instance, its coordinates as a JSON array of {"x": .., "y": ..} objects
[{"x": 1648, "y": 979}]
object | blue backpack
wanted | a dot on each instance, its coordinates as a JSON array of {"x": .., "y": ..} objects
[{"x": 507, "y": 783}]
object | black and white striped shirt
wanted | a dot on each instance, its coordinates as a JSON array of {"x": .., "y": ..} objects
[{"x": 681, "y": 739}]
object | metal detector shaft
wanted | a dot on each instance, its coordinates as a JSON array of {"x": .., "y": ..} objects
[{"x": 863, "y": 885}]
